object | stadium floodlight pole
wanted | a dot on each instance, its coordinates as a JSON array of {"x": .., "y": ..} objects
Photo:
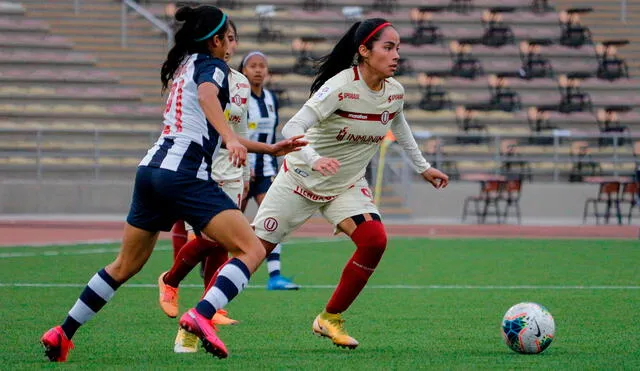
[
  {"x": 623, "y": 11},
  {"x": 76, "y": 6}
]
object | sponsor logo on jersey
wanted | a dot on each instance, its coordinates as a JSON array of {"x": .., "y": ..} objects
[
  {"x": 343, "y": 96},
  {"x": 312, "y": 196},
  {"x": 237, "y": 100},
  {"x": 383, "y": 118},
  {"x": 234, "y": 119},
  {"x": 395, "y": 97},
  {"x": 322, "y": 93},
  {"x": 242, "y": 85},
  {"x": 301, "y": 172},
  {"x": 218, "y": 76},
  {"x": 344, "y": 134}
]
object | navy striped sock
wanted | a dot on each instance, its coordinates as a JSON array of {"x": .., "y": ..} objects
[
  {"x": 232, "y": 279},
  {"x": 273, "y": 261},
  {"x": 95, "y": 295}
]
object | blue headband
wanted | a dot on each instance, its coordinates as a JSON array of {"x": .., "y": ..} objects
[{"x": 222, "y": 21}]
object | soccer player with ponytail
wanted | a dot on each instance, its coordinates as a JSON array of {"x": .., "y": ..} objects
[
  {"x": 354, "y": 102},
  {"x": 173, "y": 182}
]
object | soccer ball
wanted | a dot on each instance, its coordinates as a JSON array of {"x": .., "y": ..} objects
[{"x": 528, "y": 328}]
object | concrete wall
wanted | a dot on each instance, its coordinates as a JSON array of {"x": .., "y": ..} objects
[{"x": 541, "y": 203}]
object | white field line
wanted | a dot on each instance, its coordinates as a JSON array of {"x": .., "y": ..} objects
[{"x": 382, "y": 287}]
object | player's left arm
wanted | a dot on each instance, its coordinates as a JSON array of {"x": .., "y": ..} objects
[{"x": 404, "y": 136}]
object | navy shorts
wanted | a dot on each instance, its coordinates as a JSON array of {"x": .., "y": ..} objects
[
  {"x": 259, "y": 185},
  {"x": 160, "y": 197}
]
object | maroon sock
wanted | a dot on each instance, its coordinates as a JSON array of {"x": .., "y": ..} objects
[
  {"x": 212, "y": 280},
  {"x": 189, "y": 256},
  {"x": 178, "y": 237},
  {"x": 216, "y": 258},
  {"x": 371, "y": 240}
]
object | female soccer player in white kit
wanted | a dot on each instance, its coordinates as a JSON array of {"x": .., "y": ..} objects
[
  {"x": 263, "y": 120},
  {"x": 355, "y": 102}
]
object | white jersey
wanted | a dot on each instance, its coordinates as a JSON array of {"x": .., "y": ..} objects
[
  {"x": 188, "y": 142},
  {"x": 263, "y": 120},
  {"x": 236, "y": 114},
  {"x": 353, "y": 121}
]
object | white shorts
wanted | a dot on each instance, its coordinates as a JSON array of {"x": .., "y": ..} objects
[{"x": 287, "y": 206}]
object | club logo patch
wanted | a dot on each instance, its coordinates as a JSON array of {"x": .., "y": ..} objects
[
  {"x": 384, "y": 117},
  {"x": 270, "y": 224}
]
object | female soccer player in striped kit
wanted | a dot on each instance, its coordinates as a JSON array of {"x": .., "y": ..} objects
[
  {"x": 263, "y": 121},
  {"x": 354, "y": 103},
  {"x": 230, "y": 179},
  {"x": 173, "y": 181},
  {"x": 233, "y": 181}
]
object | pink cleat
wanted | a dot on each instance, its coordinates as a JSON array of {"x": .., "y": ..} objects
[
  {"x": 56, "y": 345},
  {"x": 197, "y": 324}
]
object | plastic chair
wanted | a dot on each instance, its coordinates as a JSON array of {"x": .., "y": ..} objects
[{"x": 608, "y": 194}]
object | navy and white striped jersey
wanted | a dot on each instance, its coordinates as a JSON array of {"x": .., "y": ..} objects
[
  {"x": 188, "y": 142},
  {"x": 263, "y": 120}
]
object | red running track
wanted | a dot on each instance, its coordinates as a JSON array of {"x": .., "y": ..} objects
[{"x": 15, "y": 233}]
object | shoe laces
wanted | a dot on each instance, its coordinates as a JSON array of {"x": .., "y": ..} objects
[
  {"x": 170, "y": 293},
  {"x": 189, "y": 341},
  {"x": 337, "y": 321},
  {"x": 222, "y": 312}
]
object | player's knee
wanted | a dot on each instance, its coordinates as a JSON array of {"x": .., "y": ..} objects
[{"x": 370, "y": 236}]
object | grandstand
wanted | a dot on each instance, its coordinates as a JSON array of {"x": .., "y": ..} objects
[{"x": 525, "y": 88}]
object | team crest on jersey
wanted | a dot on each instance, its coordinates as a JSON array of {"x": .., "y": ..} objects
[
  {"x": 384, "y": 117},
  {"x": 237, "y": 100},
  {"x": 270, "y": 107},
  {"x": 322, "y": 93}
]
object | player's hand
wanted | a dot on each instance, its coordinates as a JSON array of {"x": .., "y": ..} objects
[
  {"x": 288, "y": 145},
  {"x": 237, "y": 153},
  {"x": 436, "y": 177},
  {"x": 326, "y": 166}
]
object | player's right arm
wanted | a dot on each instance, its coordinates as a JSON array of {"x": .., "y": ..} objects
[
  {"x": 208, "y": 99},
  {"x": 318, "y": 108}
]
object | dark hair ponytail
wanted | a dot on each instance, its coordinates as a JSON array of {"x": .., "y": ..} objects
[
  {"x": 345, "y": 52},
  {"x": 200, "y": 25}
]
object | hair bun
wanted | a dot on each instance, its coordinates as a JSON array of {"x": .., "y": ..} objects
[{"x": 185, "y": 13}]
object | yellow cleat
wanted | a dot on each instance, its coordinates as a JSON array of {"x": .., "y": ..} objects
[
  {"x": 332, "y": 326},
  {"x": 185, "y": 342},
  {"x": 220, "y": 318},
  {"x": 168, "y": 297}
]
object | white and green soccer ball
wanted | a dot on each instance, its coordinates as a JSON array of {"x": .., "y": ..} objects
[{"x": 528, "y": 328}]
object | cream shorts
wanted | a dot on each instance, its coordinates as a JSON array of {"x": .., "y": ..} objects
[
  {"x": 287, "y": 206},
  {"x": 233, "y": 189}
]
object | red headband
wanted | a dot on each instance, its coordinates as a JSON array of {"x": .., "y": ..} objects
[{"x": 385, "y": 24}]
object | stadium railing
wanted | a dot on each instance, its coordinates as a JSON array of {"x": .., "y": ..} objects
[{"x": 161, "y": 25}]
